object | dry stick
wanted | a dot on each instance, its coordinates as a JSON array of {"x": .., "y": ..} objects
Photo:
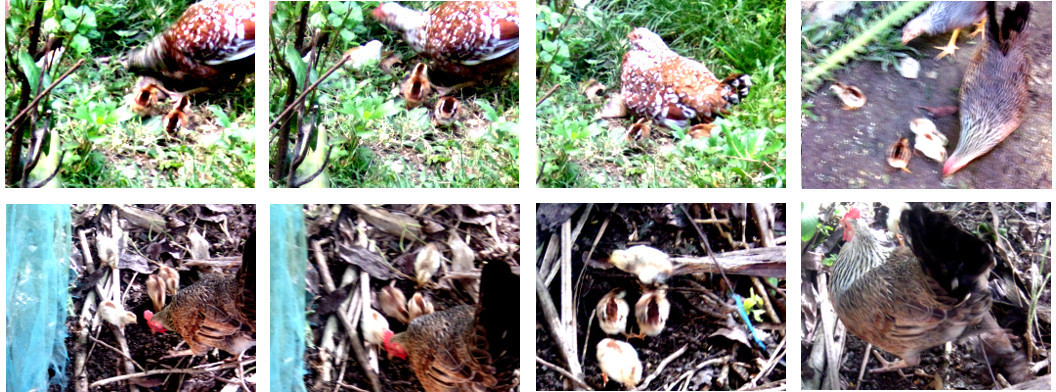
[
  {"x": 568, "y": 318},
  {"x": 168, "y": 371},
  {"x": 771, "y": 363},
  {"x": 327, "y": 338},
  {"x": 759, "y": 288},
  {"x": 119, "y": 335},
  {"x": 829, "y": 324},
  {"x": 564, "y": 372},
  {"x": 553, "y": 247},
  {"x": 42, "y": 94},
  {"x": 550, "y": 313},
  {"x": 660, "y": 367},
  {"x": 548, "y": 94},
  {"x": 310, "y": 88},
  {"x": 865, "y": 362}
]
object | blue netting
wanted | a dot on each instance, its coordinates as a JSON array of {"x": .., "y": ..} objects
[
  {"x": 289, "y": 258},
  {"x": 38, "y": 275}
]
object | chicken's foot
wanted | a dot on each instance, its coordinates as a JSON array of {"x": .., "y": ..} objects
[
  {"x": 887, "y": 366},
  {"x": 950, "y": 47},
  {"x": 979, "y": 28}
]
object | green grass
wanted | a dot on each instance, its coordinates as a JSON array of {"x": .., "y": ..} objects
[
  {"x": 577, "y": 149},
  {"x": 375, "y": 140},
  {"x": 105, "y": 144}
]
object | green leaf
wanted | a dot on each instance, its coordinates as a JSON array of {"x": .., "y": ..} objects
[
  {"x": 300, "y": 69},
  {"x": 80, "y": 44}
]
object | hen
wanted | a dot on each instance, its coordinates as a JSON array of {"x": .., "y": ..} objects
[
  {"x": 994, "y": 92},
  {"x": 467, "y": 348},
  {"x": 216, "y": 311},
  {"x": 472, "y": 40},
  {"x": 943, "y": 16},
  {"x": 212, "y": 42},
  {"x": 906, "y": 299},
  {"x": 669, "y": 89}
]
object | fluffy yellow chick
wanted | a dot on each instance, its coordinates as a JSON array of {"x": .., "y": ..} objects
[
  {"x": 374, "y": 326},
  {"x": 393, "y": 303},
  {"x": 651, "y": 265},
  {"x": 108, "y": 250},
  {"x": 419, "y": 306},
  {"x": 619, "y": 361},
  {"x": 929, "y": 140},
  {"x": 426, "y": 263},
  {"x": 612, "y": 312},
  {"x": 651, "y": 311},
  {"x": 116, "y": 314}
]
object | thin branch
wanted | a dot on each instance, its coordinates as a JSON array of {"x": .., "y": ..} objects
[
  {"x": 42, "y": 94},
  {"x": 660, "y": 368},
  {"x": 565, "y": 373},
  {"x": 156, "y": 372}
]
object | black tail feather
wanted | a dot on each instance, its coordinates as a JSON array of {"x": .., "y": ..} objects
[
  {"x": 1013, "y": 24},
  {"x": 955, "y": 258},
  {"x": 737, "y": 88}
]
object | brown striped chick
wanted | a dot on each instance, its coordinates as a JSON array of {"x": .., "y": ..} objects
[
  {"x": 619, "y": 361},
  {"x": 651, "y": 265},
  {"x": 171, "y": 278},
  {"x": 419, "y": 306},
  {"x": 651, "y": 311},
  {"x": 612, "y": 312},
  {"x": 416, "y": 87},
  {"x": 446, "y": 111},
  {"x": 156, "y": 291},
  {"x": 393, "y": 303}
]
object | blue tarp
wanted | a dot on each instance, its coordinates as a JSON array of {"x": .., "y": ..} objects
[{"x": 289, "y": 258}]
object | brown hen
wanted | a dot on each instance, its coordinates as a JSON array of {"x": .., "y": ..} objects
[
  {"x": 907, "y": 299},
  {"x": 469, "y": 39},
  {"x": 467, "y": 348},
  {"x": 213, "y": 41},
  {"x": 216, "y": 311},
  {"x": 669, "y": 89}
]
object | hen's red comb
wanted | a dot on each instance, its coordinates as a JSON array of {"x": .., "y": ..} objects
[{"x": 853, "y": 214}]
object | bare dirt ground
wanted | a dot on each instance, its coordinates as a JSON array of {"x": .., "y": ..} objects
[{"x": 847, "y": 149}]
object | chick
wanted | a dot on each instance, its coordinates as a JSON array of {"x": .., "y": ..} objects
[
  {"x": 929, "y": 140},
  {"x": 393, "y": 303},
  {"x": 416, "y": 87},
  {"x": 156, "y": 291},
  {"x": 852, "y": 97},
  {"x": 374, "y": 327},
  {"x": 651, "y": 311},
  {"x": 142, "y": 101},
  {"x": 171, "y": 277},
  {"x": 700, "y": 131},
  {"x": 612, "y": 312},
  {"x": 898, "y": 155},
  {"x": 360, "y": 56},
  {"x": 426, "y": 263},
  {"x": 639, "y": 131},
  {"x": 177, "y": 117},
  {"x": 115, "y": 314},
  {"x": 419, "y": 306},
  {"x": 651, "y": 265},
  {"x": 619, "y": 361},
  {"x": 107, "y": 248},
  {"x": 446, "y": 111}
]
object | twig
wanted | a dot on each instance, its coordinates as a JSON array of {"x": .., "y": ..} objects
[
  {"x": 660, "y": 368},
  {"x": 168, "y": 371},
  {"x": 548, "y": 94},
  {"x": 865, "y": 362},
  {"x": 304, "y": 93},
  {"x": 565, "y": 373},
  {"x": 766, "y": 299},
  {"x": 42, "y": 94},
  {"x": 771, "y": 363},
  {"x": 568, "y": 318},
  {"x": 550, "y": 313}
]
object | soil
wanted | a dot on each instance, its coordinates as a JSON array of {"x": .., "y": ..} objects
[
  {"x": 323, "y": 226},
  {"x": 847, "y": 149},
  {"x": 663, "y": 227},
  {"x": 964, "y": 367},
  {"x": 223, "y": 226}
]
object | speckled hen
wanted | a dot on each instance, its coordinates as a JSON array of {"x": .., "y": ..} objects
[
  {"x": 473, "y": 40},
  {"x": 673, "y": 90},
  {"x": 994, "y": 93},
  {"x": 213, "y": 41},
  {"x": 944, "y": 16}
]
